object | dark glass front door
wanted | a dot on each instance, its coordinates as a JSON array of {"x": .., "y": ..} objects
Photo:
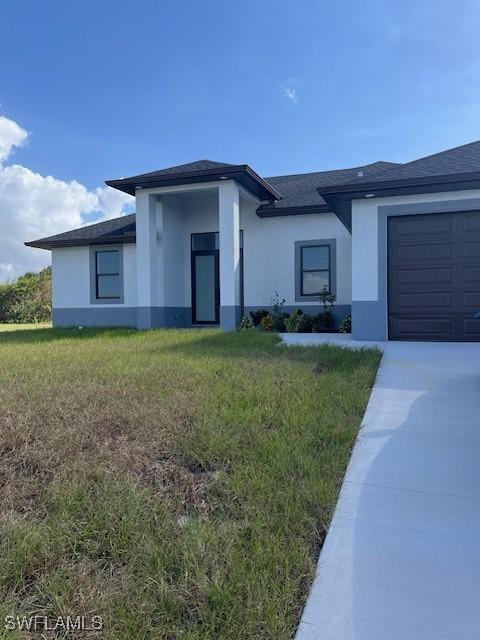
[
  {"x": 206, "y": 279},
  {"x": 205, "y": 287}
]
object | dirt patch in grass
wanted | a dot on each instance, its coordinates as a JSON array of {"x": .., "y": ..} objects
[
  {"x": 185, "y": 487},
  {"x": 178, "y": 484},
  {"x": 319, "y": 368}
]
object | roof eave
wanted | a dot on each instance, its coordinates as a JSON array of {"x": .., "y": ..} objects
[
  {"x": 340, "y": 198},
  {"x": 389, "y": 185},
  {"x": 270, "y": 211},
  {"x": 242, "y": 173},
  {"x": 83, "y": 242}
]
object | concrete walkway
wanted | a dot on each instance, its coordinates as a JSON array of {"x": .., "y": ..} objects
[
  {"x": 336, "y": 339},
  {"x": 402, "y": 557}
]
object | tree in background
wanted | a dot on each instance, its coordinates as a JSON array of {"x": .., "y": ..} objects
[{"x": 28, "y": 298}]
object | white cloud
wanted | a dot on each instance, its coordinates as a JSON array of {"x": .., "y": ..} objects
[
  {"x": 33, "y": 206},
  {"x": 111, "y": 202},
  {"x": 289, "y": 92},
  {"x": 11, "y": 135}
]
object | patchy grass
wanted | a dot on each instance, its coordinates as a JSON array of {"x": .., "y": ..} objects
[
  {"x": 177, "y": 483},
  {"x": 24, "y": 327}
]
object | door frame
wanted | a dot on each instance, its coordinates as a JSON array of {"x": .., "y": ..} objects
[{"x": 216, "y": 254}]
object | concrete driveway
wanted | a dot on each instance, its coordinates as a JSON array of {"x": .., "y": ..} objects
[{"x": 402, "y": 557}]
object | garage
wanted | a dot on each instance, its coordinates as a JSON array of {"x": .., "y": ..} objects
[{"x": 434, "y": 276}]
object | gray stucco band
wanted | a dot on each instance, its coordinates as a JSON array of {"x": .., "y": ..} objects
[
  {"x": 368, "y": 321},
  {"x": 370, "y": 318},
  {"x": 340, "y": 311},
  {"x": 229, "y": 317},
  {"x": 332, "y": 243},
  {"x": 157, "y": 317},
  {"x": 95, "y": 317},
  {"x": 138, "y": 317},
  {"x": 168, "y": 317}
]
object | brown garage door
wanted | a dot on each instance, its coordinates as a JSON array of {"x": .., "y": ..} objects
[{"x": 434, "y": 276}]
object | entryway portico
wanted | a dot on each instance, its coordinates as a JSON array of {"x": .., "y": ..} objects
[{"x": 176, "y": 281}]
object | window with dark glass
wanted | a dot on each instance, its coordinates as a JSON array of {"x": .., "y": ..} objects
[
  {"x": 209, "y": 241},
  {"x": 314, "y": 269},
  {"x": 107, "y": 275}
]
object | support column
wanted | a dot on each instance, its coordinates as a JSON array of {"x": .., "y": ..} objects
[
  {"x": 229, "y": 236},
  {"x": 148, "y": 211}
]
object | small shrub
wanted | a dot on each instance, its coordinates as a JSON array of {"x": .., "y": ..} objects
[
  {"x": 246, "y": 324},
  {"x": 318, "y": 323},
  {"x": 322, "y": 322},
  {"x": 267, "y": 322},
  {"x": 292, "y": 323},
  {"x": 27, "y": 299},
  {"x": 277, "y": 305},
  {"x": 257, "y": 316},
  {"x": 279, "y": 322},
  {"x": 327, "y": 300},
  {"x": 346, "y": 325},
  {"x": 305, "y": 323},
  {"x": 278, "y": 313}
]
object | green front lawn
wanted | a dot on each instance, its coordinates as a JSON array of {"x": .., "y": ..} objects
[{"x": 177, "y": 483}]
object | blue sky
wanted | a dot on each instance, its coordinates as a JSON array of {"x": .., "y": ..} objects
[
  {"x": 109, "y": 89},
  {"x": 94, "y": 90}
]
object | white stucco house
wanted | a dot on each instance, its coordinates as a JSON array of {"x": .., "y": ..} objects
[{"x": 398, "y": 244}]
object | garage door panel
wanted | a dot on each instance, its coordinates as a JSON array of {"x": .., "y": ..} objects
[
  {"x": 434, "y": 276},
  {"x": 470, "y": 221},
  {"x": 425, "y": 252},
  {"x": 423, "y": 328},
  {"x": 408, "y": 225},
  {"x": 423, "y": 276},
  {"x": 424, "y": 301},
  {"x": 471, "y": 274},
  {"x": 471, "y": 249},
  {"x": 471, "y": 328},
  {"x": 471, "y": 299}
]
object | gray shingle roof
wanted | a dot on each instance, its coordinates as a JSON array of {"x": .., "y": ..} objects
[
  {"x": 463, "y": 159},
  {"x": 199, "y": 165},
  {"x": 116, "y": 230},
  {"x": 300, "y": 190},
  {"x": 197, "y": 172}
]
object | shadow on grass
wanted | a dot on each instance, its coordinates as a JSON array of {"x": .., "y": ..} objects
[
  {"x": 18, "y": 335},
  {"x": 258, "y": 345},
  {"x": 251, "y": 345}
]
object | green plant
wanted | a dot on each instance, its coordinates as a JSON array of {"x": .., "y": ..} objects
[
  {"x": 27, "y": 299},
  {"x": 293, "y": 322},
  {"x": 278, "y": 313},
  {"x": 327, "y": 300},
  {"x": 322, "y": 322},
  {"x": 346, "y": 325},
  {"x": 246, "y": 324},
  {"x": 318, "y": 323},
  {"x": 279, "y": 322},
  {"x": 257, "y": 316},
  {"x": 277, "y": 304},
  {"x": 305, "y": 323},
  {"x": 268, "y": 322}
]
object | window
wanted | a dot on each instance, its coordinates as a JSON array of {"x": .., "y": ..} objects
[
  {"x": 106, "y": 275},
  {"x": 315, "y": 269},
  {"x": 315, "y": 266},
  {"x": 209, "y": 241},
  {"x": 205, "y": 241}
]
